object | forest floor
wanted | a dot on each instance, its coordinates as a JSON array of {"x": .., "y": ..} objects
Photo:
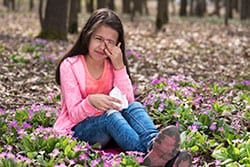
[{"x": 204, "y": 49}]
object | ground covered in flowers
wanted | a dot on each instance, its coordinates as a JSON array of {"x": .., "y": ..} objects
[{"x": 193, "y": 74}]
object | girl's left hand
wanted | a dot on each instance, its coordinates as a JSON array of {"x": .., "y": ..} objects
[{"x": 115, "y": 54}]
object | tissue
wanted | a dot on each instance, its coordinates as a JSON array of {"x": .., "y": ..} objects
[{"x": 116, "y": 92}]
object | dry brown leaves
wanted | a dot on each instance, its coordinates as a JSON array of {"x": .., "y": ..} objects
[{"x": 203, "y": 50}]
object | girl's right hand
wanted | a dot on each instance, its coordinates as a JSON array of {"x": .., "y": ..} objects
[{"x": 104, "y": 102}]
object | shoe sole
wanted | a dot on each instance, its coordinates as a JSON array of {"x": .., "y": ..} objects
[
  {"x": 165, "y": 147},
  {"x": 184, "y": 159}
]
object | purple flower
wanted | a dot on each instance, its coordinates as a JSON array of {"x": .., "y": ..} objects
[
  {"x": 13, "y": 124},
  {"x": 221, "y": 129},
  {"x": 26, "y": 125},
  {"x": 95, "y": 162},
  {"x": 134, "y": 53},
  {"x": 21, "y": 133},
  {"x": 83, "y": 156},
  {"x": 246, "y": 82},
  {"x": 194, "y": 127},
  {"x": 9, "y": 147},
  {"x": 77, "y": 148},
  {"x": 213, "y": 126},
  {"x": 155, "y": 81},
  {"x": 177, "y": 124},
  {"x": 2, "y": 112},
  {"x": 217, "y": 162},
  {"x": 55, "y": 152},
  {"x": 41, "y": 41},
  {"x": 139, "y": 159},
  {"x": 161, "y": 107}
]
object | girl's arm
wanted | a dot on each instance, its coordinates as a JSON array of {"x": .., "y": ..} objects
[
  {"x": 78, "y": 106},
  {"x": 122, "y": 81}
]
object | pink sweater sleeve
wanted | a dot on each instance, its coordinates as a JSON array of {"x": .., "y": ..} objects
[
  {"x": 78, "y": 106},
  {"x": 122, "y": 81}
]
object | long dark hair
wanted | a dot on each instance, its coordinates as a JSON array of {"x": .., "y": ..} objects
[{"x": 99, "y": 17}]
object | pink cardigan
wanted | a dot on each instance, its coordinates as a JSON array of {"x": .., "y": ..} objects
[{"x": 75, "y": 104}]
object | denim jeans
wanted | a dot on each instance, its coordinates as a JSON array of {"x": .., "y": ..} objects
[{"x": 132, "y": 129}]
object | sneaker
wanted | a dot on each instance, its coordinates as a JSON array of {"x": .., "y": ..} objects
[
  {"x": 165, "y": 147},
  {"x": 182, "y": 159}
]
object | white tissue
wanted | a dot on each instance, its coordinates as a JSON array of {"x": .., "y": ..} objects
[{"x": 116, "y": 92}]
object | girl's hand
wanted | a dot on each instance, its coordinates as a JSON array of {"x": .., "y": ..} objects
[
  {"x": 104, "y": 102},
  {"x": 115, "y": 54}
]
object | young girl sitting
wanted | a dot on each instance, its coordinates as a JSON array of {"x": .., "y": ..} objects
[{"x": 96, "y": 65}]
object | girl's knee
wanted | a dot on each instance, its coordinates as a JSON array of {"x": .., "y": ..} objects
[
  {"x": 114, "y": 115},
  {"x": 136, "y": 105}
]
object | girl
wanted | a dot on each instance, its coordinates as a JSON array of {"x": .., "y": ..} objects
[{"x": 86, "y": 75}]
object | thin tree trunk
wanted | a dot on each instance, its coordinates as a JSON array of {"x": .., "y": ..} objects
[
  {"x": 31, "y": 5},
  {"x": 73, "y": 17},
  {"x": 217, "y": 7},
  {"x": 227, "y": 12},
  {"x": 90, "y": 6},
  {"x": 111, "y": 4},
  {"x": 126, "y": 6},
  {"x": 101, "y": 4},
  {"x": 55, "y": 22},
  {"x": 41, "y": 13},
  {"x": 162, "y": 14},
  {"x": 183, "y": 8}
]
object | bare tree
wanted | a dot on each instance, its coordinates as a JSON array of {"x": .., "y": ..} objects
[
  {"x": 31, "y": 5},
  {"x": 244, "y": 7},
  {"x": 73, "y": 16},
  {"x": 111, "y": 4},
  {"x": 126, "y": 8},
  {"x": 89, "y": 6},
  {"x": 183, "y": 8},
  {"x": 101, "y": 4},
  {"x": 140, "y": 7},
  {"x": 162, "y": 13},
  {"x": 200, "y": 8},
  {"x": 10, "y": 4},
  {"x": 55, "y": 19}
]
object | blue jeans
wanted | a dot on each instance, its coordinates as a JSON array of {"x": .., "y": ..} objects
[{"x": 132, "y": 129}]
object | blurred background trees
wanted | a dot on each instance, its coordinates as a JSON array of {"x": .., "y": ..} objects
[{"x": 59, "y": 17}]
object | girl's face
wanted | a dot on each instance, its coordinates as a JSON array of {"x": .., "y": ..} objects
[{"x": 96, "y": 46}]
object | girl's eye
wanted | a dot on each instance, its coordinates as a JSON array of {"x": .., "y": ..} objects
[
  {"x": 98, "y": 38},
  {"x": 111, "y": 42}
]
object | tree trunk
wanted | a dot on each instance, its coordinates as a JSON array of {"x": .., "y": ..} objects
[
  {"x": 162, "y": 13},
  {"x": 217, "y": 7},
  {"x": 191, "y": 10},
  {"x": 41, "y": 13},
  {"x": 200, "y": 8},
  {"x": 55, "y": 20},
  {"x": 227, "y": 12},
  {"x": 5, "y": 3},
  {"x": 229, "y": 9},
  {"x": 31, "y": 5},
  {"x": 90, "y": 6},
  {"x": 10, "y": 4},
  {"x": 137, "y": 6},
  {"x": 183, "y": 8},
  {"x": 73, "y": 16},
  {"x": 13, "y": 5},
  {"x": 101, "y": 4},
  {"x": 111, "y": 4},
  {"x": 244, "y": 7},
  {"x": 126, "y": 6}
]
